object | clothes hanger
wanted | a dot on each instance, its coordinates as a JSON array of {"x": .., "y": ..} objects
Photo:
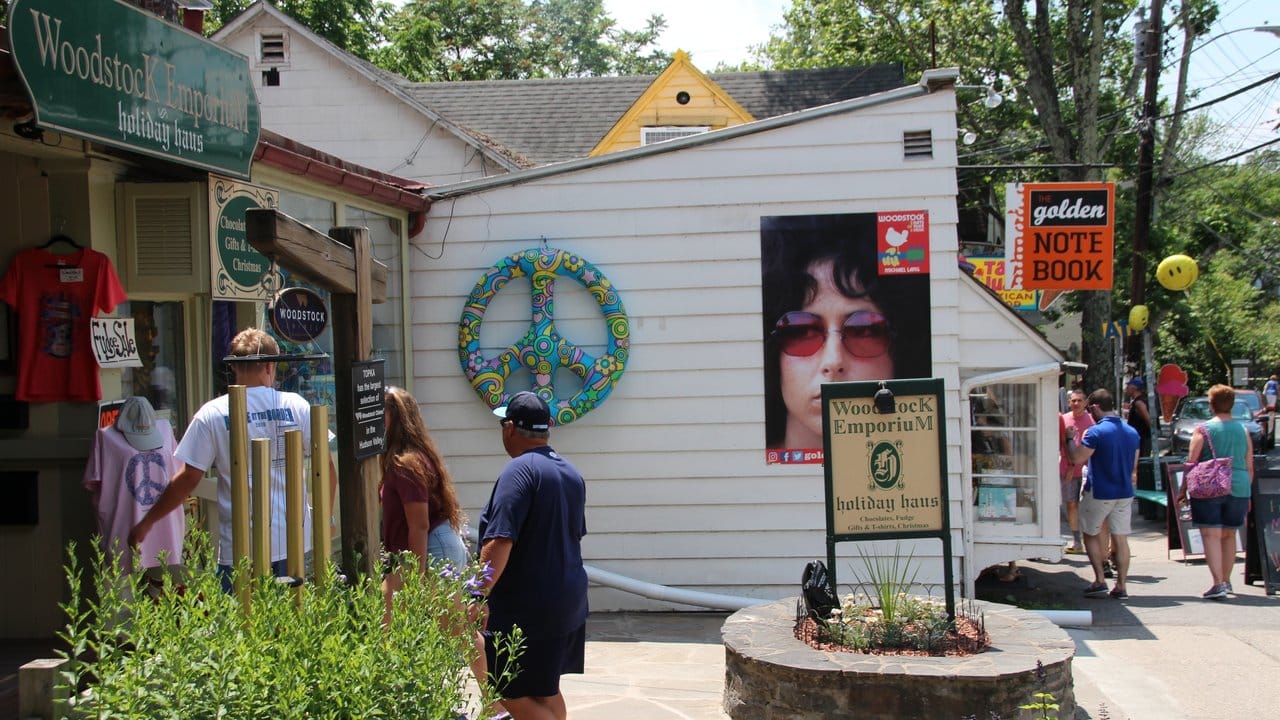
[
  {"x": 61, "y": 238},
  {"x": 63, "y": 261}
]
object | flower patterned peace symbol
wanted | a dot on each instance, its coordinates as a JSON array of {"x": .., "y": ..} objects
[
  {"x": 542, "y": 349},
  {"x": 139, "y": 473}
]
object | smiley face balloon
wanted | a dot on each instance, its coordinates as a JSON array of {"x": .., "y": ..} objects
[
  {"x": 1177, "y": 272},
  {"x": 1138, "y": 317}
]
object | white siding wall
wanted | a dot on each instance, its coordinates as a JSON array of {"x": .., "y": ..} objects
[
  {"x": 325, "y": 103},
  {"x": 678, "y": 490}
]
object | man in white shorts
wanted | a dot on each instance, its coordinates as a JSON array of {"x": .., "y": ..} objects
[{"x": 1111, "y": 449}]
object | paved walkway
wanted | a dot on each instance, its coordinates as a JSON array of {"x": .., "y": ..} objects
[{"x": 1164, "y": 654}]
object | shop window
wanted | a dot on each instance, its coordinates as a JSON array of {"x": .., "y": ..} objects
[
  {"x": 1005, "y": 449},
  {"x": 159, "y": 330},
  {"x": 309, "y": 210}
]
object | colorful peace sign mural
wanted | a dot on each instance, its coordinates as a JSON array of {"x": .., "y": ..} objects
[{"x": 543, "y": 350}]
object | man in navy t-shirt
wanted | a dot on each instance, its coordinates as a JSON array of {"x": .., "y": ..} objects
[
  {"x": 1111, "y": 449},
  {"x": 531, "y": 535}
]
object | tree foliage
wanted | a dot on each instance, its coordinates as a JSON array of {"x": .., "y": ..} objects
[
  {"x": 442, "y": 40},
  {"x": 353, "y": 25},
  {"x": 509, "y": 39}
]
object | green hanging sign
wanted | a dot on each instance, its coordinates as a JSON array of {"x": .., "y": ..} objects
[{"x": 112, "y": 73}]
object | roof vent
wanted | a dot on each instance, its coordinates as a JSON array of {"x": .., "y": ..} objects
[
  {"x": 917, "y": 144},
  {"x": 651, "y": 135},
  {"x": 273, "y": 48}
]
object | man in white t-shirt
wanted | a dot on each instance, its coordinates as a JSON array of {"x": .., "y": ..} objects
[{"x": 207, "y": 445}]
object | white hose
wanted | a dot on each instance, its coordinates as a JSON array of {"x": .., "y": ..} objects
[
  {"x": 654, "y": 591},
  {"x": 1068, "y": 618},
  {"x": 716, "y": 601}
]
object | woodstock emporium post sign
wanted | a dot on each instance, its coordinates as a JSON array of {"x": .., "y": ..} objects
[{"x": 542, "y": 350}]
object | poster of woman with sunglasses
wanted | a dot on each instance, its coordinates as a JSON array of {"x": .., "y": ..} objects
[{"x": 844, "y": 298}]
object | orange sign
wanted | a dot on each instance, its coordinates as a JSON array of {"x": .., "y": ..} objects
[{"x": 1060, "y": 236}]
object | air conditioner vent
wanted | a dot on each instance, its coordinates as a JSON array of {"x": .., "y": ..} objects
[
  {"x": 163, "y": 239},
  {"x": 917, "y": 144}
]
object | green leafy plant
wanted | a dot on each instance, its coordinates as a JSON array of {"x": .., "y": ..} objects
[
  {"x": 1043, "y": 704},
  {"x": 188, "y": 650},
  {"x": 889, "y": 578},
  {"x": 884, "y": 615}
]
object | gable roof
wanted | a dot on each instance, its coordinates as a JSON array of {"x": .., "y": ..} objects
[
  {"x": 930, "y": 81},
  {"x": 696, "y": 101},
  {"x": 390, "y": 82},
  {"x": 553, "y": 120}
]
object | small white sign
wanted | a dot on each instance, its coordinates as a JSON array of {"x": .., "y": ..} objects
[{"x": 114, "y": 345}]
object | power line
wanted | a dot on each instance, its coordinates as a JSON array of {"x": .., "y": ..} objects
[{"x": 1228, "y": 96}]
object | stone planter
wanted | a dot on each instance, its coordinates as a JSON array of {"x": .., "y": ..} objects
[{"x": 770, "y": 675}]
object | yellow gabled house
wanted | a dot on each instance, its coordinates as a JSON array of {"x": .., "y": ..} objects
[{"x": 680, "y": 101}]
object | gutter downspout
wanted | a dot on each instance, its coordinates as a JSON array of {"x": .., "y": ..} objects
[{"x": 969, "y": 575}]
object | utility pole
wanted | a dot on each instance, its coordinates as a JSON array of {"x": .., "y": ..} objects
[
  {"x": 1146, "y": 154},
  {"x": 1143, "y": 204}
]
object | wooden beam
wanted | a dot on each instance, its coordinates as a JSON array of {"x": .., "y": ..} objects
[
  {"x": 317, "y": 257},
  {"x": 357, "y": 479}
]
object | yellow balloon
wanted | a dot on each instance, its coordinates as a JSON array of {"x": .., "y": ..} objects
[
  {"x": 1138, "y": 317},
  {"x": 1177, "y": 272}
]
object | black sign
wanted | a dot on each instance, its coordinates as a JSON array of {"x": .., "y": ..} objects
[
  {"x": 367, "y": 384},
  {"x": 299, "y": 315},
  {"x": 1069, "y": 207},
  {"x": 1262, "y": 555}
]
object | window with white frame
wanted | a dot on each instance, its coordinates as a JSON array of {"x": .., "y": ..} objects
[{"x": 1005, "y": 451}]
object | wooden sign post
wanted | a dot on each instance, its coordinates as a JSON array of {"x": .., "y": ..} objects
[{"x": 343, "y": 264}]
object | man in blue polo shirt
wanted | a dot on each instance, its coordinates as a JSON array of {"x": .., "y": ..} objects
[
  {"x": 531, "y": 535},
  {"x": 1111, "y": 449}
]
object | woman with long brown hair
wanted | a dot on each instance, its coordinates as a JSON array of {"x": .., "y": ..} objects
[{"x": 420, "y": 511}]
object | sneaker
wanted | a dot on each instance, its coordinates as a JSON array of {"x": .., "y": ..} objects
[
  {"x": 1107, "y": 571},
  {"x": 1118, "y": 594},
  {"x": 1096, "y": 591},
  {"x": 1074, "y": 550},
  {"x": 1230, "y": 590},
  {"x": 1217, "y": 592}
]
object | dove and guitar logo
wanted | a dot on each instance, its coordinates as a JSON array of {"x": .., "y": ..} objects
[{"x": 902, "y": 238}]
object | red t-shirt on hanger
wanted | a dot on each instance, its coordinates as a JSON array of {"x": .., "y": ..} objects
[{"x": 55, "y": 296}]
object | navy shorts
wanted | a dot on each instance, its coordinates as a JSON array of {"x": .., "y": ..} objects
[
  {"x": 1220, "y": 512},
  {"x": 538, "y": 669}
]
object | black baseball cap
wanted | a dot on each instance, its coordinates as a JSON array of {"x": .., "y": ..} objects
[{"x": 527, "y": 411}]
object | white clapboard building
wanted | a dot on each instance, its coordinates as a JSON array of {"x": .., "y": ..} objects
[{"x": 679, "y": 493}]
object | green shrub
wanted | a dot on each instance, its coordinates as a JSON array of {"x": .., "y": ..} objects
[{"x": 191, "y": 653}]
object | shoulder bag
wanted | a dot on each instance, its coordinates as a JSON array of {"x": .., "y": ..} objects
[
  {"x": 816, "y": 591},
  {"x": 1209, "y": 478}
]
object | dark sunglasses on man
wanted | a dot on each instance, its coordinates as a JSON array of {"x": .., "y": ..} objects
[{"x": 864, "y": 334}]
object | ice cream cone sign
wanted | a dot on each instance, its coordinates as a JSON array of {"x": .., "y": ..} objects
[{"x": 1171, "y": 385}]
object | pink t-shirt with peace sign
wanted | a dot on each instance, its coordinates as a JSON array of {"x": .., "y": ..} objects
[{"x": 125, "y": 484}]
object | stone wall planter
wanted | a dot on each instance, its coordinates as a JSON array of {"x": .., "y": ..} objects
[{"x": 770, "y": 675}]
